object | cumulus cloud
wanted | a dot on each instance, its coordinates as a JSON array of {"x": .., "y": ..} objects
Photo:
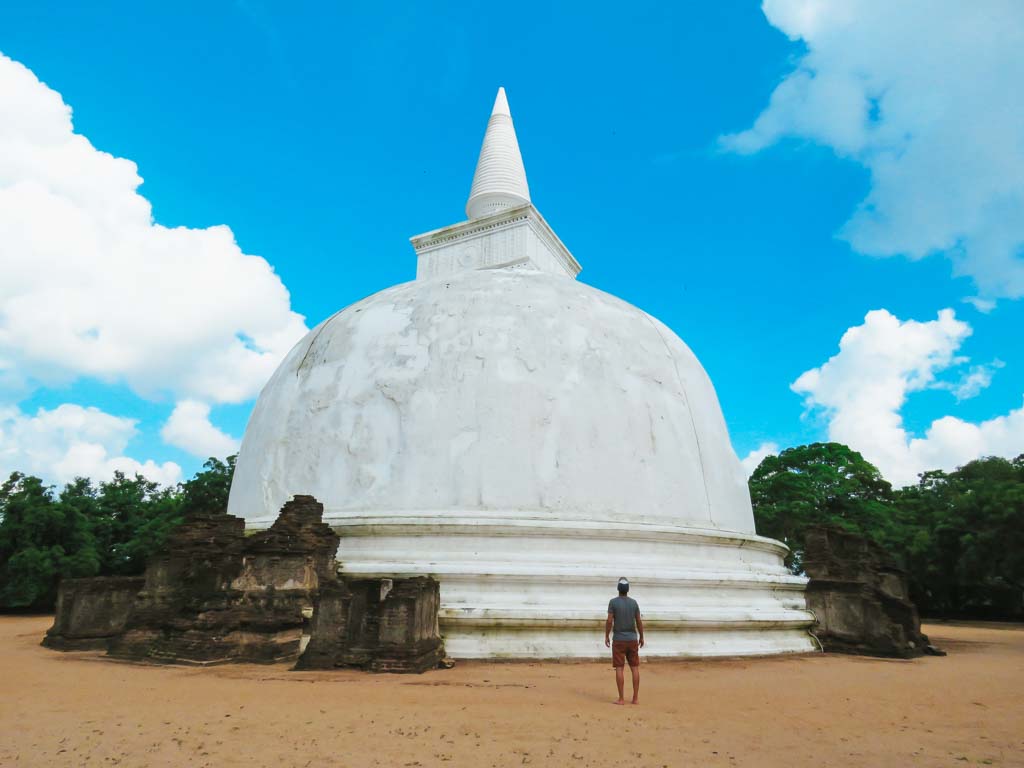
[
  {"x": 862, "y": 390},
  {"x": 71, "y": 441},
  {"x": 189, "y": 428},
  {"x": 93, "y": 287},
  {"x": 928, "y": 97},
  {"x": 751, "y": 461}
]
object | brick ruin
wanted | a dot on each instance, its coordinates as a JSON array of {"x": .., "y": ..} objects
[
  {"x": 215, "y": 595},
  {"x": 860, "y": 597},
  {"x": 383, "y": 625},
  {"x": 91, "y": 612}
]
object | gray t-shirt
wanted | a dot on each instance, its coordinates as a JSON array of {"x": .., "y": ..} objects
[{"x": 625, "y": 610}]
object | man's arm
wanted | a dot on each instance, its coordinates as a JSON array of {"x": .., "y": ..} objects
[
  {"x": 608, "y": 629},
  {"x": 640, "y": 628}
]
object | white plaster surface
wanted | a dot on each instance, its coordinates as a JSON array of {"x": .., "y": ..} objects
[
  {"x": 517, "y": 237},
  {"x": 526, "y": 439},
  {"x": 495, "y": 390}
]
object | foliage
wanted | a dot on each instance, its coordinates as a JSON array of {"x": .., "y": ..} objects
[
  {"x": 959, "y": 534},
  {"x": 963, "y": 539},
  {"x": 130, "y": 519},
  {"x": 208, "y": 491},
  {"x": 40, "y": 540},
  {"x": 86, "y": 531},
  {"x": 821, "y": 483}
]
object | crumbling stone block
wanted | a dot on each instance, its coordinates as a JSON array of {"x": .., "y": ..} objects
[
  {"x": 384, "y": 625},
  {"x": 214, "y": 596},
  {"x": 860, "y": 597},
  {"x": 329, "y": 633},
  {"x": 91, "y": 611}
]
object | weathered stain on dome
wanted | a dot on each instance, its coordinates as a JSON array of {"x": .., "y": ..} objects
[{"x": 546, "y": 373}]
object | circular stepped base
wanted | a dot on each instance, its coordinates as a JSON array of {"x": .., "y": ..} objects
[{"x": 532, "y": 587}]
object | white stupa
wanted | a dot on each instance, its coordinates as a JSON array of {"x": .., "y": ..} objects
[{"x": 525, "y": 439}]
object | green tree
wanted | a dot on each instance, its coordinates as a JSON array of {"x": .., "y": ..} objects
[
  {"x": 964, "y": 538},
  {"x": 960, "y": 534},
  {"x": 821, "y": 483},
  {"x": 208, "y": 491},
  {"x": 41, "y": 540},
  {"x": 125, "y": 507},
  {"x": 110, "y": 530}
]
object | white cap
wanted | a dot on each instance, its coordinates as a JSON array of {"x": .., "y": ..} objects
[{"x": 500, "y": 179}]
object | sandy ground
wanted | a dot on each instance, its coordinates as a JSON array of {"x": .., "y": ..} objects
[{"x": 78, "y": 709}]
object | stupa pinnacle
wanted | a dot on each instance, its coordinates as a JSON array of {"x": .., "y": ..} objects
[
  {"x": 500, "y": 179},
  {"x": 504, "y": 229}
]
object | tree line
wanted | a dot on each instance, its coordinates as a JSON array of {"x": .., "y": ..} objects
[
  {"x": 109, "y": 529},
  {"x": 960, "y": 535}
]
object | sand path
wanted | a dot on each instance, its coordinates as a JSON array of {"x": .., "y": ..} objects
[{"x": 81, "y": 710}]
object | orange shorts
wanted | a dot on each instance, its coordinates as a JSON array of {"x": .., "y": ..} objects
[{"x": 626, "y": 650}]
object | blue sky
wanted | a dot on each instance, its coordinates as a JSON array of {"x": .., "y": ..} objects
[{"x": 325, "y": 137}]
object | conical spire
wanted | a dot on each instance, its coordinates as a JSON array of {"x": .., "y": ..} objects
[{"x": 500, "y": 179}]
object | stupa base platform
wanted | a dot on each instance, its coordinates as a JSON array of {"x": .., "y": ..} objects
[
  {"x": 565, "y": 643},
  {"x": 529, "y": 587}
]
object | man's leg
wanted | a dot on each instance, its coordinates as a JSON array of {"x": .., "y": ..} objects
[
  {"x": 636, "y": 684},
  {"x": 619, "y": 662}
]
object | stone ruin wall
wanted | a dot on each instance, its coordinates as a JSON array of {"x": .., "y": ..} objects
[
  {"x": 383, "y": 625},
  {"x": 90, "y": 612},
  {"x": 215, "y": 595},
  {"x": 860, "y": 597}
]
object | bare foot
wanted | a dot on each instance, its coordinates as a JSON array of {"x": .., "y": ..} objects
[
  {"x": 621, "y": 701},
  {"x": 635, "y": 701}
]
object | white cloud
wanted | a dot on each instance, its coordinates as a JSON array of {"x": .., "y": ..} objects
[
  {"x": 751, "y": 461},
  {"x": 189, "y": 428},
  {"x": 974, "y": 381},
  {"x": 927, "y": 95},
  {"x": 863, "y": 388},
  {"x": 93, "y": 287},
  {"x": 71, "y": 441}
]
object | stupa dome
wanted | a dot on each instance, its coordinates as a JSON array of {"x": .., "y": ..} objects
[
  {"x": 504, "y": 392},
  {"x": 525, "y": 439}
]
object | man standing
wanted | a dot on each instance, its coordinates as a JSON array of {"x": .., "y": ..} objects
[{"x": 624, "y": 616}]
